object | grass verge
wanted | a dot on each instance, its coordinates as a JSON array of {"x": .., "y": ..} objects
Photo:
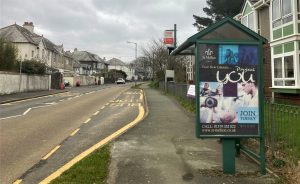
[{"x": 92, "y": 169}]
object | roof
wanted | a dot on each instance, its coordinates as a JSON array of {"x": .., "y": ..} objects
[
  {"x": 19, "y": 34},
  {"x": 85, "y": 56},
  {"x": 214, "y": 33},
  {"x": 115, "y": 61}
]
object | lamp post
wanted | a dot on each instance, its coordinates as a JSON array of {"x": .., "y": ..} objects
[
  {"x": 135, "y": 55},
  {"x": 135, "y": 48}
]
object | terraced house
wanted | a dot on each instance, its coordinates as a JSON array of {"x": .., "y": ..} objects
[{"x": 279, "y": 22}]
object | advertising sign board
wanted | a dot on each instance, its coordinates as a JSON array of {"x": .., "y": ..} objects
[{"x": 229, "y": 96}]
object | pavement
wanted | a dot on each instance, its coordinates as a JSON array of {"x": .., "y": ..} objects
[
  {"x": 163, "y": 148},
  {"x": 27, "y": 95}
]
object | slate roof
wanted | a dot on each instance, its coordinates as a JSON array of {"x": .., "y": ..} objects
[
  {"x": 115, "y": 61},
  {"x": 19, "y": 34},
  {"x": 86, "y": 56}
]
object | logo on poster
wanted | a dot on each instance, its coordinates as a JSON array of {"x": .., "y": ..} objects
[{"x": 209, "y": 54}]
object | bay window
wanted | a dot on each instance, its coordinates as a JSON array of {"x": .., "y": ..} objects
[
  {"x": 281, "y": 12},
  {"x": 284, "y": 72}
]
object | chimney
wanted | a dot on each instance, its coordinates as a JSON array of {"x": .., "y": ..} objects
[{"x": 29, "y": 26}]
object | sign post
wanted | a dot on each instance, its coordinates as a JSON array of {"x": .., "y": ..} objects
[{"x": 229, "y": 86}]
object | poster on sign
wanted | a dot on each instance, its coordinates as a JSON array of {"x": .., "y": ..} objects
[{"x": 228, "y": 87}]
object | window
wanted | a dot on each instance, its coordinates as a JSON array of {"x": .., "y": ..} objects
[
  {"x": 32, "y": 54},
  {"x": 281, "y": 12},
  {"x": 284, "y": 71},
  {"x": 298, "y": 9},
  {"x": 248, "y": 20}
]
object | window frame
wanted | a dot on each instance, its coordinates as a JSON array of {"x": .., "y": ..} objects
[
  {"x": 246, "y": 17},
  {"x": 283, "y": 78},
  {"x": 281, "y": 16}
]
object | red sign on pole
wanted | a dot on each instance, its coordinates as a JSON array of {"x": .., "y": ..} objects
[{"x": 169, "y": 38}]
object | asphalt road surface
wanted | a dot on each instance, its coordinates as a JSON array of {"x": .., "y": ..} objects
[{"x": 38, "y": 136}]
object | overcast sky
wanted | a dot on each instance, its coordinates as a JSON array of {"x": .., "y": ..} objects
[{"x": 103, "y": 26}]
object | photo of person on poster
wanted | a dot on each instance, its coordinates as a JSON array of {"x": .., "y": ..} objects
[
  {"x": 215, "y": 108},
  {"x": 250, "y": 94},
  {"x": 222, "y": 106},
  {"x": 228, "y": 54},
  {"x": 247, "y": 55}
]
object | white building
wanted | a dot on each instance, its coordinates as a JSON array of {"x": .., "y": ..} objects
[{"x": 117, "y": 64}]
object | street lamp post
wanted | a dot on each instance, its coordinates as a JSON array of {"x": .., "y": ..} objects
[
  {"x": 135, "y": 55},
  {"x": 135, "y": 48}
]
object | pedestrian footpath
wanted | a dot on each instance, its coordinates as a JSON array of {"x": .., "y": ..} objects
[
  {"x": 163, "y": 149},
  {"x": 27, "y": 95}
]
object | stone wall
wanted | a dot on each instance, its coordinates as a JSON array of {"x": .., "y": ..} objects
[{"x": 14, "y": 82}]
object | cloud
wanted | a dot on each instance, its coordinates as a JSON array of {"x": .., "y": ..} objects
[{"x": 103, "y": 26}]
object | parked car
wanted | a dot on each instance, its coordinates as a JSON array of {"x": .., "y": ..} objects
[{"x": 120, "y": 81}]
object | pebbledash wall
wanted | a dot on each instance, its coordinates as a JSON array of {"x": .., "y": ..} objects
[{"x": 14, "y": 82}]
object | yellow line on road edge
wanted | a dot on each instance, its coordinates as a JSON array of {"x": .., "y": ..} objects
[
  {"x": 50, "y": 153},
  {"x": 96, "y": 146},
  {"x": 141, "y": 96},
  {"x": 87, "y": 120},
  {"x": 17, "y": 182},
  {"x": 96, "y": 113},
  {"x": 75, "y": 131}
]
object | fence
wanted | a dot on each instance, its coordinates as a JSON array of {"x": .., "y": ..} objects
[{"x": 282, "y": 126}]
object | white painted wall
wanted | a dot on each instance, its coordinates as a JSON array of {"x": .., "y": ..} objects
[
  {"x": 25, "y": 52},
  {"x": 84, "y": 80},
  {"x": 13, "y": 82},
  {"x": 127, "y": 70}
]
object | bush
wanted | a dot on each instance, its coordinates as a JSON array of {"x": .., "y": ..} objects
[
  {"x": 33, "y": 67},
  {"x": 8, "y": 56},
  {"x": 154, "y": 84}
]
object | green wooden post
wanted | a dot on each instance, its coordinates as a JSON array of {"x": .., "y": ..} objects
[
  {"x": 262, "y": 158},
  {"x": 197, "y": 55},
  {"x": 228, "y": 155}
]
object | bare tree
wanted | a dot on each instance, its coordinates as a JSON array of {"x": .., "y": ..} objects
[{"x": 156, "y": 58}]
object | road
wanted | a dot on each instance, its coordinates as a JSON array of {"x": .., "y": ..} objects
[{"x": 67, "y": 123}]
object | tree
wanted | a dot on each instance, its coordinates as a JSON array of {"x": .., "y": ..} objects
[
  {"x": 8, "y": 56},
  {"x": 157, "y": 59},
  {"x": 216, "y": 10}
]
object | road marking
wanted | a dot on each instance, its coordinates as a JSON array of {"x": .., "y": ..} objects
[
  {"x": 107, "y": 104},
  {"x": 141, "y": 96},
  {"x": 96, "y": 113},
  {"x": 17, "y": 181},
  {"x": 50, "y": 103},
  {"x": 75, "y": 131},
  {"x": 87, "y": 120},
  {"x": 103, "y": 107},
  {"x": 26, "y": 111},
  {"x": 96, "y": 146},
  {"x": 50, "y": 153},
  {"x": 10, "y": 117},
  {"x": 6, "y": 104},
  {"x": 61, "y": 100}
]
